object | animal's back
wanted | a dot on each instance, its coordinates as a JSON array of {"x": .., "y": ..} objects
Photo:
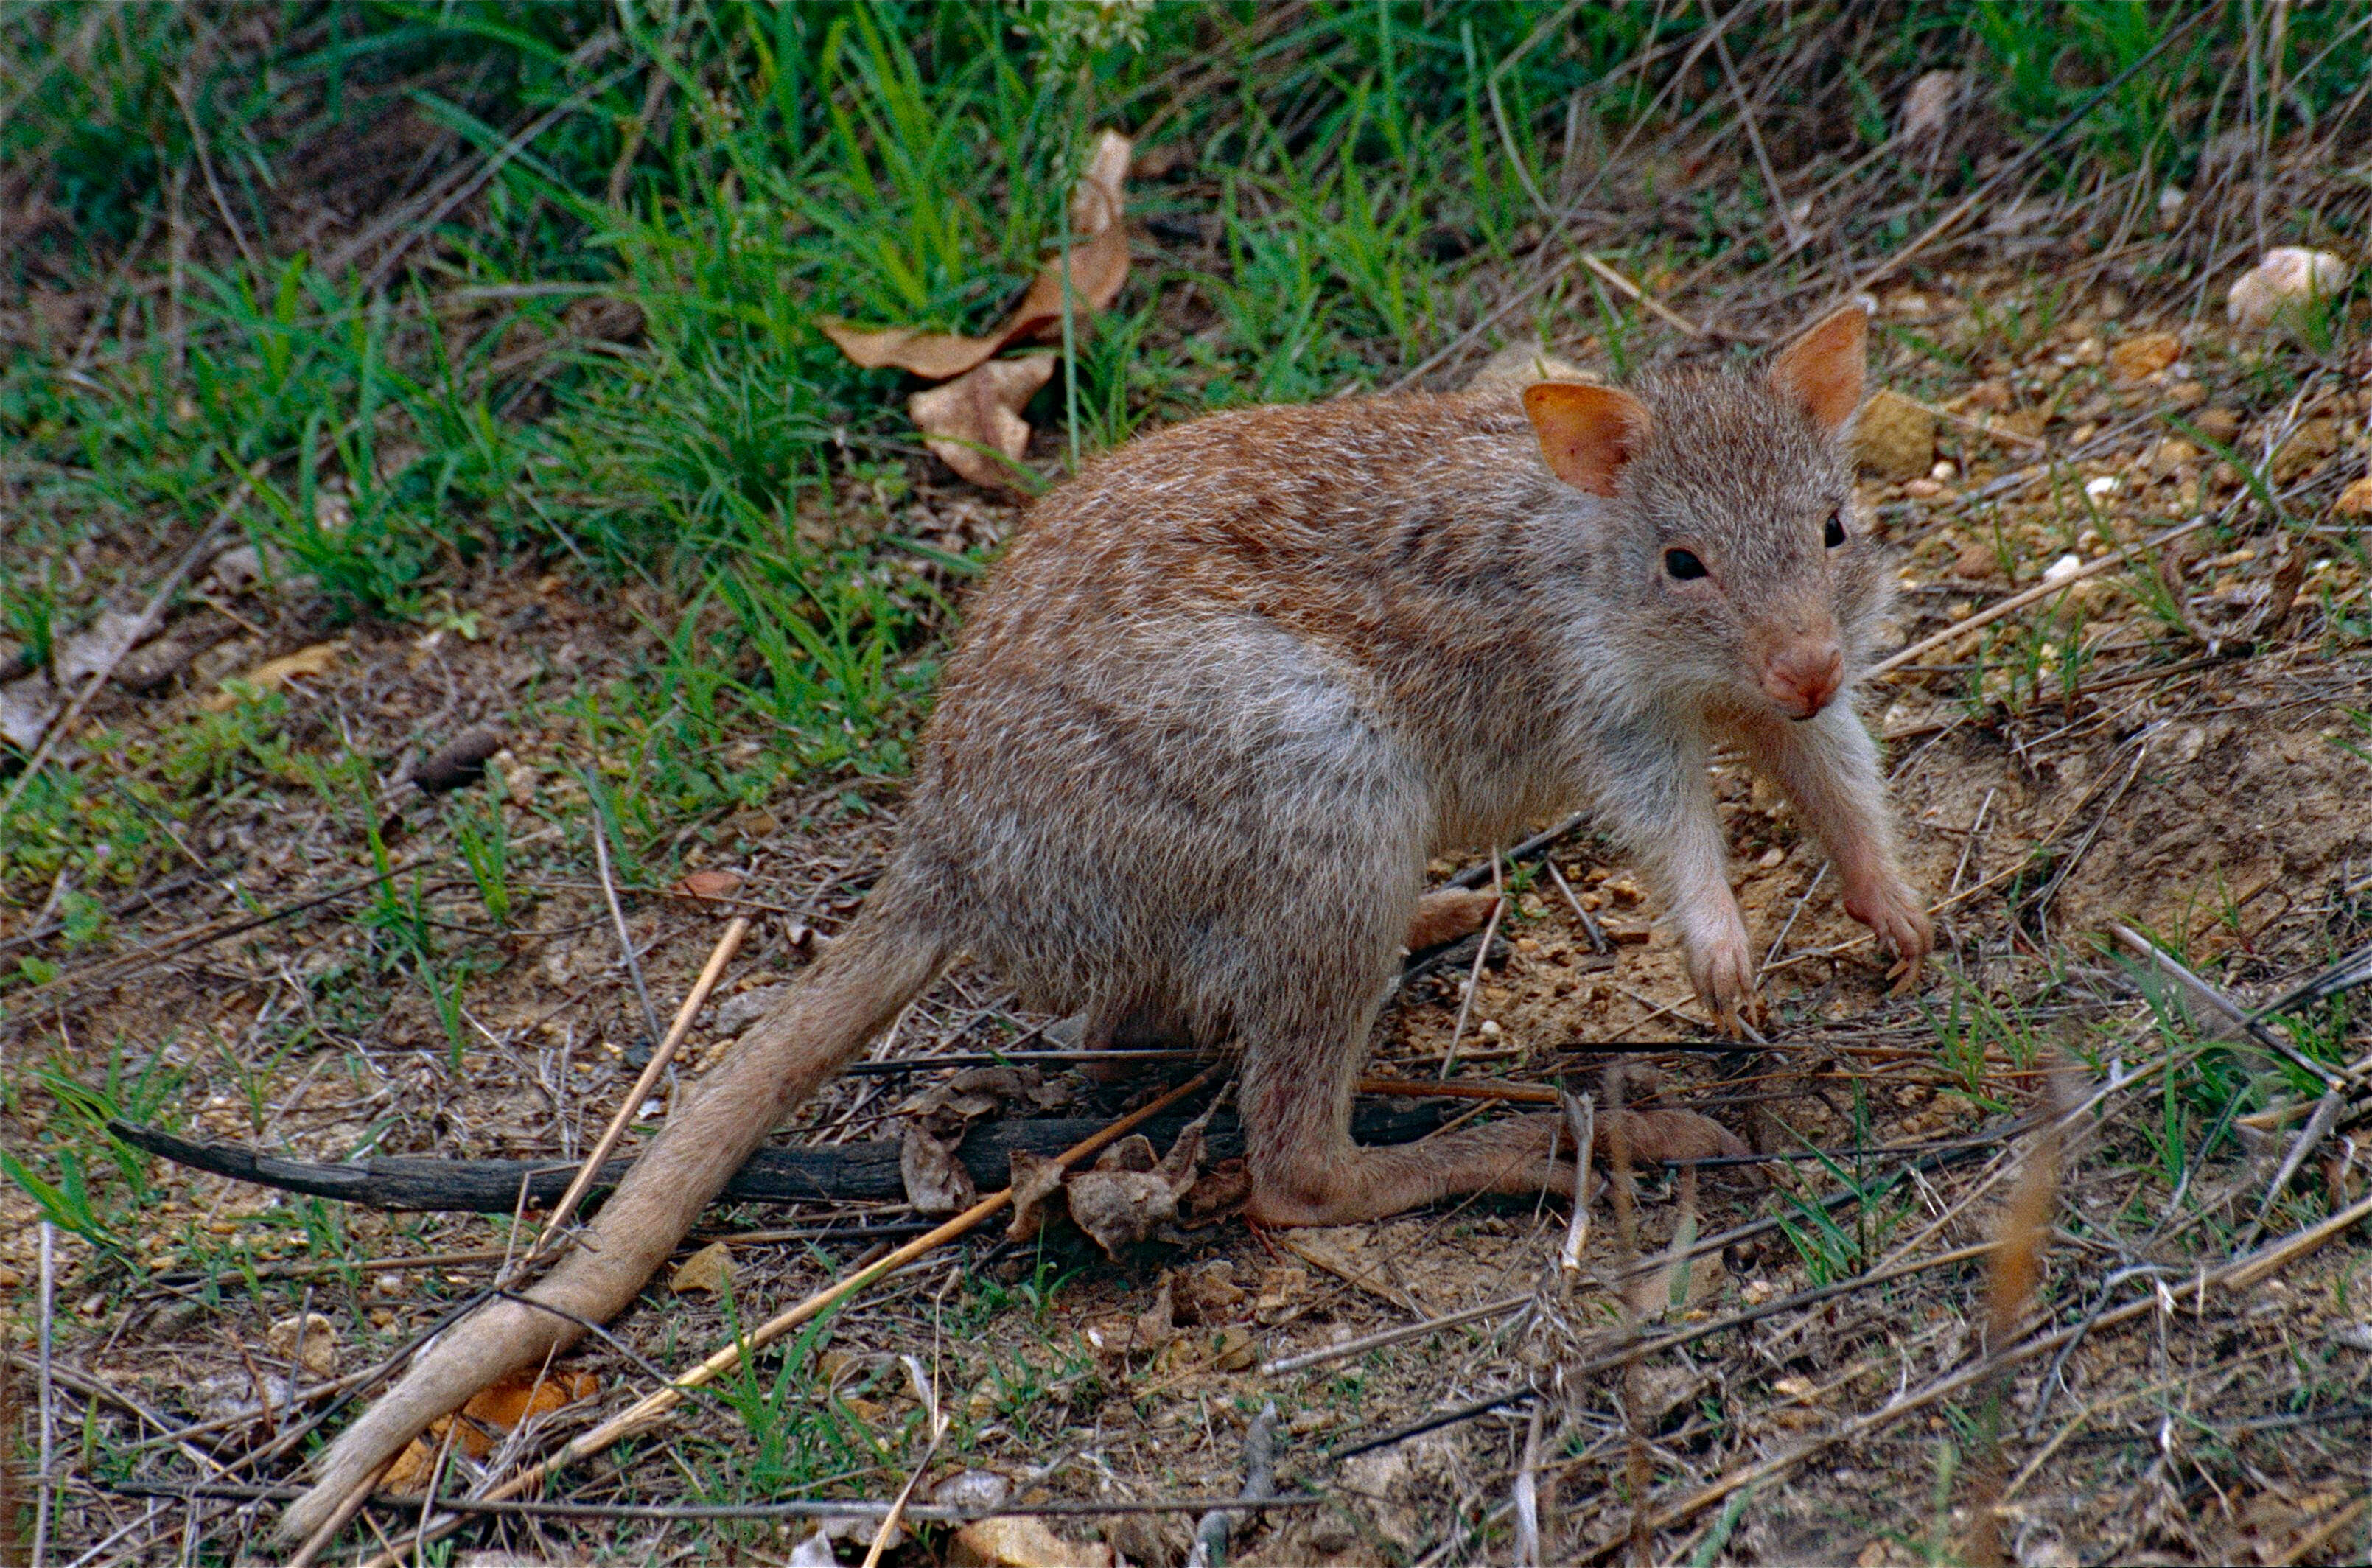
[{"x": 1216, "y": 665}]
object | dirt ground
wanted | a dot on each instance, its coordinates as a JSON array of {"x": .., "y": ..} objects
[{"x": 2205, "y": 784}]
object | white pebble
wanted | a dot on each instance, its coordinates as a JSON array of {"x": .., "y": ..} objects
[
  {"x": 2066, "y": 566},
  {"x": 2104, "y": 486},
  {"x": 1490, "y": 1029}
]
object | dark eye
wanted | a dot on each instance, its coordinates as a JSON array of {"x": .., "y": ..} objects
[
  {"x": 1684, "y": 565},
  {"x": 1834, "y": 534}
]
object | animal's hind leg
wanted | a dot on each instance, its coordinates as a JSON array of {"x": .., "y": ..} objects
[{"x": 1306, "y": 1170}]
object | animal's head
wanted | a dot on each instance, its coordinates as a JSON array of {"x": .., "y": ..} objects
[{"x": 1741, "y": 569}]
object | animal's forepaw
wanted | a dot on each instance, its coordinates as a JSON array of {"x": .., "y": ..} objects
[
  {"x": 1723, "y": 972},
  {"x": 1893, "y": 913}
]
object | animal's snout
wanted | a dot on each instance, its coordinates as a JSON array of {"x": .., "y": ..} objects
[{"x": 1803, "y": 677}]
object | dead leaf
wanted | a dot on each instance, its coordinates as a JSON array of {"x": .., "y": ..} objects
[
  {"x": 1223, "y": 1186},
  {"x": 2145, "y": 356},
  {"x": 1020, "y": 1540},
  {"x": 147, "y": 668},
  {"x": 1894, "y": 438},
  {"x": 491, "y": 1414},
  {"x": 936, "y": 1182},
  {"x": 2356, "y": 501},
  {"x": 1927, "y": 107},
  {"x": 25, "y": 708},
  {"x": 981, "y": 409},
  {"x": 1036, "y": 1178},
  {"x": 711, "y": 884},
  {"x": 97, "y": 647},
  {"x": 1520, "y": 364},
  {"x": 273, "y": 674},
  {"x": 1127, "y": 1196},
  {"x": 1211, "y": 1293},
  {"x": 1097, "y": 268},
  {"x": 709, "y": 1270}
]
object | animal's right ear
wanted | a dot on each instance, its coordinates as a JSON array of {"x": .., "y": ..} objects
[{"x": 1586, "y": 432}]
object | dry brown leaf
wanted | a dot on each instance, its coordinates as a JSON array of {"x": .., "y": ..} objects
[
  {"x": 489, "y": 1415},
  {"x": 1020, "y": 1540},
  {"x": 713, "y": 884},
  {"x": 981, "y": 409},
  {"x": 710, "y": 1270},
  {"x": 273, "y": 674},
  {"x": 1121, "y": 1202},
  {"x": 2144, "y": 355},
  {"x": 936, "y": 1182},
  {"x": 1097, "y": 268},
  {"x": 2356, "y": 501},
  {"x": 1036, "y": 1178},
  {"x": 1927, "y": 107}
]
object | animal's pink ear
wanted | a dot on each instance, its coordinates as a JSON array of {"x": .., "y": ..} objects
[
  {"x": 1586, "y": 432},
  {"x": 1822, "y": 370}
]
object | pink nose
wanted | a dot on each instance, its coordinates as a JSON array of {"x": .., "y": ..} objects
[{"x": 1802, "y": 679}]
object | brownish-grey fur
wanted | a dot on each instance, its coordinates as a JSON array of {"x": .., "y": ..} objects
[{"x": 1235, "y": 685}]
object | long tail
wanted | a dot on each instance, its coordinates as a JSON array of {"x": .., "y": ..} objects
[{"x": 854, "y": 992}]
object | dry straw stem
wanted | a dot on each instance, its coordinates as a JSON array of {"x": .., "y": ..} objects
[
  {"x": 150, "y": 614},
  {"x": 2018, "y": 601},
  {"x": 647, "y": 1411},
  {"x": 2234, "y": 1277},
  {"x": 710, "y": 974}
]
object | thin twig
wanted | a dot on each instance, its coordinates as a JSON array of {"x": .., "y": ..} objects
[
  {"x": 2018, "y": 601},
  {"x": 696, "y": 999},
  {"x": 618, "y": 915},
  {"x": 1475, "y": 977},
  {"x": 45, "y": 1489},
  {"x": 1260, "y": 1485},
  {"x": 652, "y": 1407},
  {"x": 150, "y": 615}
]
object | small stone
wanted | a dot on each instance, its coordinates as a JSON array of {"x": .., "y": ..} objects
[
  {"x": 146, "y": 669},
  {"x": 1895, "y": 438},
  {"x": 1922, "y": 489},
  {"x": 708, "y": 1270},
  {"x": 1927, "y": 107},
  {"x": 2219, "y": 424},
  {"x": 312, "y": 1341},
  {"x": 2145, "y": 356},
  {"x": 1520, "y": 364},
  {"x": 2356, "y": 501},
  {"x": 2169, "y": 206},
  {"x": 1977, "y": 564},
  {"x": 2288, "y": 277}
]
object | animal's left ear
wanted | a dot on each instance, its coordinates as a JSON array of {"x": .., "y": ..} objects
[{"x": 1821, "y": 371}]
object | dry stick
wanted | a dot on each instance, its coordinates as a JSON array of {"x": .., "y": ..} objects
[
  {"x": 618, "y": 918},
  {"x": 1260, "y": 1486},
  {"x": 2224, "y": 1006},
  {"x": 1581, "y": 1116},
  {"x": 2238, "y": 1276},
  {"x": 2018, "y": 601},
  {"x": 1475, "y": 978},
  {"x": 710, "y": 972},
  {"x": 2326, "y": 1112},
  {"x": 1591, "y": 259},
  {"x": 646, "y": 1412},
  {"x": 1753, "y": 133},
  {"x": 321, "y": 1539},
  {"x": 1528, "y": 1496},
  {"x": 64, "y": 719},
  {"x": 45, "y": 1489}
]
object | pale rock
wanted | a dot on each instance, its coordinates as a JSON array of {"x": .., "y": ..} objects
[{"x": 2288, "y": 276}]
